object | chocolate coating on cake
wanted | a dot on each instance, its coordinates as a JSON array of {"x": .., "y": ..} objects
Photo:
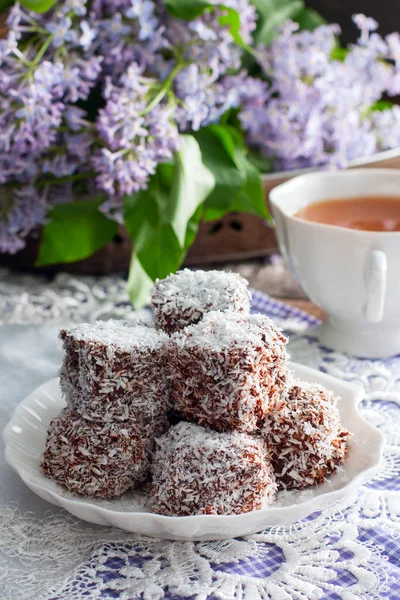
[
  {"x": 183, "y": 298},
  {"x": 102, "y": 460},
  {"x": 305, "y": 436},
  {"x": 197, "y": 471},
  {"x": 113, "y": 370},
  {"x": 228, "y": 371}
]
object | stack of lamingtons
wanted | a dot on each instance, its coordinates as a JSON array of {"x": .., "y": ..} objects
[{"x": 243, "y": 427}]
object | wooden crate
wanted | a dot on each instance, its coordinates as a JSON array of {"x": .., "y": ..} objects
[
  {"x": 234, "y": 237},
  {"x": 217, "y": 241}
]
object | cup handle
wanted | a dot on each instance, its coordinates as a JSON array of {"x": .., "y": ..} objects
[{"x": 376, "y": 286}]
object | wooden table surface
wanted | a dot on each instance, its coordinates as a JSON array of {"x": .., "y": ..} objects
[{"x": 305, "y": 305}]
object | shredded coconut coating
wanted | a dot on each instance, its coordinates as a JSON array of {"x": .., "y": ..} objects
[
  {"x": 182, "y": 299},
  {"x": 144, "y": 317},
  {"x": 102, "y": 460},
  {"x": 197, "y": 471},
  {"x": 305, "y": 436},
  {"x": 113, "y": 370},
  {"x": 228, "y": 371}
]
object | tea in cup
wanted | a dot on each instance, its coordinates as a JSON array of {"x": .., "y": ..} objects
[{"x": 339, "y": 233}]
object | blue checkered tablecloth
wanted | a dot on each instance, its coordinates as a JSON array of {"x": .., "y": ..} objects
[{"x": 275, "y": 309}]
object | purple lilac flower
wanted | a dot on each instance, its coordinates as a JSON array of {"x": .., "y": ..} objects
[
  {"x": 205, "y": 100},
  {"x": 8, "y": 47},
  {"x": 159, "y": 75},
  {"x": 38, "y": 115},
  {"x": 101, "y": 8},
  {"x": 140, "y": 9},
  {"x": 115, "y": 28},
  {"x": 365, "y": 25},
  {"x": 393, "y": 44},
  {"x": 386, "y": 126},
  {"x": 254, "y": 96},
  {"x": 35, "y": 102},
  {"x": 88, "y": 35},
  {"x": 393, "y": 52},
  {"x": 21, "y": 169},
  {"x": 316, "y": 110},
  {"x": 62, "y": 31},
  {"x": 216, "y": 55},
  {"x": 143, "y": 11},
  {"x": 80, "y": 76},
  {"x": 78, "y": 7},
  {"x": 69, "y": 153},
  {"x": 32, "y": 111},
  {"x": 23, "y": 209},
  {"x": 75, "y": 118},
  {"x": 33, "y": 99},
  {"x": 204, "y": 88},
  {"x": 136, "y": 139},
  {"x": 129, "y": 31},
  {"x": 18, "y": 21}
]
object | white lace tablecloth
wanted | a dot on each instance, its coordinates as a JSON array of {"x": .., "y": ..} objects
[{"x": 350, "y": 551}]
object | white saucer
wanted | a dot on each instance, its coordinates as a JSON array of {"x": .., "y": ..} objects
[{"x": 25, "y": 437}]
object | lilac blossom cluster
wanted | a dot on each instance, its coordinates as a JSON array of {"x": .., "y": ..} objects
[
  {"x": 204, "y": 85},
  {"x": 95, "y": 94},
  {"x": 137, "y": 137},
  {"x": 98, "y": 92},
  {"x": 45, "y": 136},
  {"x": 317, "y": 107}
]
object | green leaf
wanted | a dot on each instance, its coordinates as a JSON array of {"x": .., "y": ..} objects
[
  {"x": 381, "y": 105},
  {"x": 74, "y": 232},
  {"x": 39, "y": 6},
  {"x": 309, "y": 19},
  {"x": 162, "y": 253},
  {"x": 225, "y": 134},
  {"x": 193, "y": 182},
  {"x": 272, "y": 14},
  {"x": 162, "y": 220},
  {"x": 231, "y": 19},
  {"x": 142, "y": 212},
  {"x": 158, "y": 218},
  {"x": 166, "y": 175},
  {"x": 4, "y": 4},
  {"x": 186, "y": 9},
  {"x": 238, "y": 184},
  {"x": 139, "y": 284},
  {"x": 157, "y": 247},
  {"x": 339, "y": 53},
  {"x": 213, "y": 213},
  {"x": 261, "y": 162},
  {"x": 219, "y": 155},
  {"x": 251, "y": 197},
  {"x": 193, "y": 227}
]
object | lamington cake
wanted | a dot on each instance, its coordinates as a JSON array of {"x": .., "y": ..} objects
[
  {"x": 112, "y": 370},
  {"x": 182, "y": 299},
  {"x": 228, "y": 371},
  {"x": 197, "y": 471},
  {"x": 305, "y": 436},
  {"x": 202, "y": 399},
  {"x": 99, "y": 459}
]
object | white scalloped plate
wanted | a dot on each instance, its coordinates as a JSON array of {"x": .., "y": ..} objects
[{"x": 25, "y": 437}]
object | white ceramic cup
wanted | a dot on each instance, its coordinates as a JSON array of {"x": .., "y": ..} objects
[{"x": 353, "y": 275}]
